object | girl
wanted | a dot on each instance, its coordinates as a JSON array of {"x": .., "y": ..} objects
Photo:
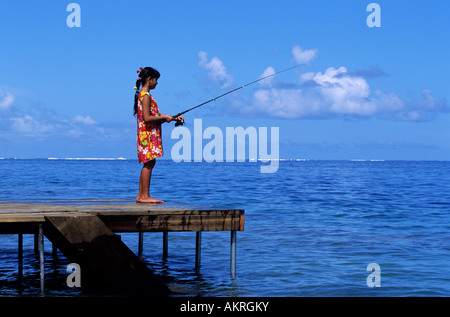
[{"x": 149, "y": 121}]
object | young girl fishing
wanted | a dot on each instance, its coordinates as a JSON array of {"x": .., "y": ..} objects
[{"x": 149, "y": 120}]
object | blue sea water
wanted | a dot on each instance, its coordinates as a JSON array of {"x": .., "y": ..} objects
[{"x": 311, "y": 228}]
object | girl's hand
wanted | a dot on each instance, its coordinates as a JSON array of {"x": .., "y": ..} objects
[{"x": 168, "y": 118}]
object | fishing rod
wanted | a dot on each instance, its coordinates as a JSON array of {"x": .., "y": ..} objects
[{"x": 229, "y": 92}]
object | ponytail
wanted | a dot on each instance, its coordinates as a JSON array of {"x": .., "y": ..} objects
[{"x": 144, "y": 73}]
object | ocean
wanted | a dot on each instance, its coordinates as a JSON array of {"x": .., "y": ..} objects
[{"x": 313, "y": 228}]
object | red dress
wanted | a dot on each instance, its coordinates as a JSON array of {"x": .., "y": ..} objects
[{"x": 149, "y": 145}]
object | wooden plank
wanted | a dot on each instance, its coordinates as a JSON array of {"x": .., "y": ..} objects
[
  {"x": 200, "y": 221},
  {"x": 86, "y": 240},
  {"x": 18, "y": 218},
  {"x": 31, "y": 216},
  {"x": 108, "y": 208},
  {"x": 141, "y": 210}
]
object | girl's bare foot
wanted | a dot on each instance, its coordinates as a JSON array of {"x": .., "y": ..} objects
[{"x": 149, "y": 200}]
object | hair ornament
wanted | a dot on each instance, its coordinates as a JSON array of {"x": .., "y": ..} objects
[{"x": 139, "y": 70}]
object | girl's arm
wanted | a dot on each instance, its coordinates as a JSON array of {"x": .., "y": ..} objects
[{"x": 148, "y": 116}]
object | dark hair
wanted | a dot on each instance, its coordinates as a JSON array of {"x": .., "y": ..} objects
[{"x": 142, "y": 78}]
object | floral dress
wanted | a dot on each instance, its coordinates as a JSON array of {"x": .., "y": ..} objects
[{"x": 149, "y": 145}]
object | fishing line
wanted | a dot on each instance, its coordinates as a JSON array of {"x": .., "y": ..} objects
[{"x": 229, "y": 92}]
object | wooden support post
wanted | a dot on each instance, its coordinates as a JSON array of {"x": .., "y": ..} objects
[
  {"x": 141, "y": 243},
  {"x": 233, "y": 255},
  {"x": 198, "y": 250},
  {"x": 20, "y": 255},
  {"x": 41, "y": 257},
  {"x": 165, "y": 245}
]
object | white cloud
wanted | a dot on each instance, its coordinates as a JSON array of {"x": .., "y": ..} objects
[
  {"x": 84, "y": 126},
  {"x": 268, "y": 81},
  {"x": 84, "y": 120},
  {"x": 344, "y": 94},
  {"x": 7, "y": 101},
  {"x": 27, "y": 124},
  {"x": 337, "y": 93},
  {"x": 303, "y": 56},
  {"x": 30, "y": 125},
  {"x": 281, "y": 103},
  {"x": 318, "y": 95},
  {"x": 216, "y": 70}
]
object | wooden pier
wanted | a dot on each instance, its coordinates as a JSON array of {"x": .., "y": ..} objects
[{"x": 85, "y": 232}]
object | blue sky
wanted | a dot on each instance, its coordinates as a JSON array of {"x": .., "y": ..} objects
[{"x": 361, "y": 92}]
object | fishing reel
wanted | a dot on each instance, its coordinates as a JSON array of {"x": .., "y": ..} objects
[{"x": 179, "y": 122}]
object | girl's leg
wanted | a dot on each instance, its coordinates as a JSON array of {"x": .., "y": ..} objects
[{"x": 144, "y": 184}]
